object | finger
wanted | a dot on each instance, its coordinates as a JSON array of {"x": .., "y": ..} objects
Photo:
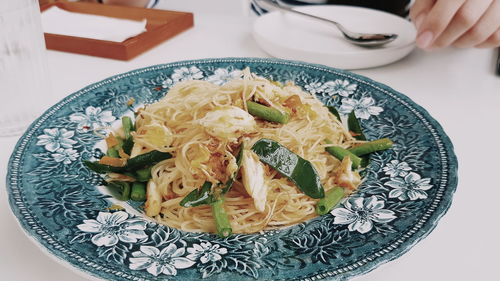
[
  {"x": 466, "y": 17},
  {"x": 436, "y": 21},
  {"x": 419, "y": 10},
  {"x": 492, "y": 41},
  {"x": 483, "y": 29}
]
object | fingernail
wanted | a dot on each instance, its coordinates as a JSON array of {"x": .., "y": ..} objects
[
  {"x": 424, "y": 40},
  {"x": 419, "y": 20}
]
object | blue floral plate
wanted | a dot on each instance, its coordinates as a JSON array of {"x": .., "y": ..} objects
[{"x": 59, "y": 204}]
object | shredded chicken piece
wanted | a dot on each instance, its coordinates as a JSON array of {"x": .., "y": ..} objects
[
  {"x": 293, "y": 102},
  {"x": 228, "y": 123},
  {"x": 153, "y": 200},
  {"x": 217, "y": 165},
  {"x": 222, "y": 166},
  {"x": 252, "y": 172},
  {"x": 345, "y": 176}
]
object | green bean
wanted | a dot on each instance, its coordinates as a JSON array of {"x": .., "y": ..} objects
[
  {"x": 133, "y": 164},
  {"x": 199, "y": 197},
  {"x": 102, "y": 168},
  {"x": 340, "y": 153},
  {"x": 334, "y": 111},
  {"x": 331, "y": 199},
  {"x": 127, "y": 145},
  {"x": 365, "y": 160},
  {"x": 129, "y": 174},
  {"x": 355, "y": 127},
  {"x": 138, "y": 192},
  {"x": 298, "y": 170},
  {"x": 147, "y": 159},
  {"x": 128, "y": 126},
  {"x": 143, "y": 175},
  {"x": 221, "y": 219},
  {"x": 372, "y": 146},
  {"x": 119, "y": 145},
  {"x": 112, "y": 152},
  {"x": 128, "y": 142},
  {"x": 120, "y": 189},
  {"x": 267, "y": 113}
]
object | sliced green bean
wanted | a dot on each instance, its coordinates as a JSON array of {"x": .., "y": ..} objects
[
  {"x": 298, "y": 170},
  {"x": 340, "y": 153},
  {"x": 371, "y": 146},
  {"x": 147, "y": 159},
  {"x": 143, "y": 175},
  {"x": 127, "y": 145},
  {"x": 119, "y": 145},
  {"x": 133, "y": 164},
  {"x": 128, "y": 142},
  {"x": 120, "y": 189},
  {"x": 129, "y": 174},
  {"x": 138, "y": 191},
  {"x": 355, "y": 127},
  {"x": 102, "y": 168},
  {"x": 221, "y": 219},
  {"x": 128, "y": 126},
  {"x": 199, "y": 197},
  {"x": 112, "y": 152},
  {"x": 334, "y": 111},
  {"x": 267, "y": 113},
  {"x": 331, "y": 199},
  {"x": 365, "y": 160}
]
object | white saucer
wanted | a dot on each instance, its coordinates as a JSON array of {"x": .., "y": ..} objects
[{"x": 289, "y": 36}]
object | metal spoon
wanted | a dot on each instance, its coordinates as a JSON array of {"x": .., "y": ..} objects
[{"x": 356, "y": 38}]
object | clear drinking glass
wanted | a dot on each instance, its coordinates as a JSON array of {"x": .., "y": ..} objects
[{"x": 24, "y": 82}]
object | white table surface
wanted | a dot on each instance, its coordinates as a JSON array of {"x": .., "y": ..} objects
[{"x": 457, "y": 87}]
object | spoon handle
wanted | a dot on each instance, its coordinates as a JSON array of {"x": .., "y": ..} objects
[
  {"x": 286, "y": 9},
  {"x": 356, "y": 38}
]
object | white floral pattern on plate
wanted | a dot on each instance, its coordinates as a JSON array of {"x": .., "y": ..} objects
[
  {"x": 166, "y": 261},
  {"x": 314, "y": 87},
  {"x": 185, "y": 73},
  {"x": 222, "y": 75},
  {"x": 363, "y": 108},
  {"x": 94, "y": 118},
  {"x": 360, "y": 213},
  {"x": 339, "y": 87},
  {"x": 54, "y": 139},
  {"x": 167, "y": 83},
  {"x": 111, "y": 228},
  {"x": 206, "y": 252},
  {"x": 396, "y": 168},
  {"x": 66, "y": 156},
  {"x": 411, "y": 186}
]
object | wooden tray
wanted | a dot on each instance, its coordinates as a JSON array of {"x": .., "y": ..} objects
[{"x": 161, "y": 25}]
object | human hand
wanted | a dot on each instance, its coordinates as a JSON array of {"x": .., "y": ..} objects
[{"x": 459, "y": 23}]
